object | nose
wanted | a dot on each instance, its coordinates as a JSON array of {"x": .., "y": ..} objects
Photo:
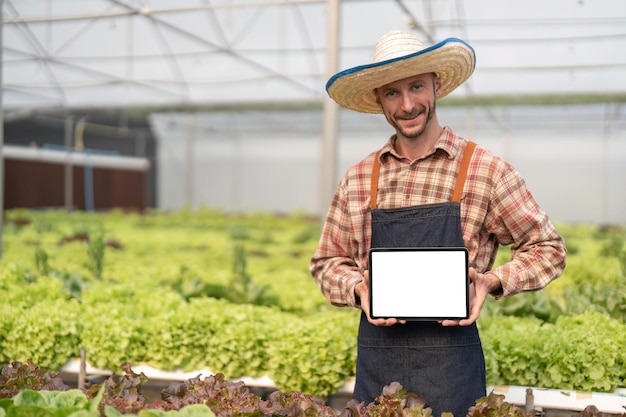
[{"x": 407, "y": 103}]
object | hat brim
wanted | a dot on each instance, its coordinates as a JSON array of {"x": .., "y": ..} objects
[{"x": 452, "y": 59}]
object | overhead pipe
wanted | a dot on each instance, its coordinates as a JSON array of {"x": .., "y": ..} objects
[{"x": 145, "y": 11}]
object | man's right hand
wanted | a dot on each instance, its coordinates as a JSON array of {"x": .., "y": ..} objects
[{"x": 361, "y": 290}]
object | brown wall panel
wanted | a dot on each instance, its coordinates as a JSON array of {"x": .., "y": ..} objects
[{"x": 37, "y": 184}]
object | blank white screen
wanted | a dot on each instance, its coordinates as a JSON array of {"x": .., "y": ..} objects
[{"x": 418, "y": 284}]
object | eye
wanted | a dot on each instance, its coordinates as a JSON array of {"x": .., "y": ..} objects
[{"x": 417, "y": 86}]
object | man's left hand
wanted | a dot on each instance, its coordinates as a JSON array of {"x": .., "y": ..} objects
[{"x": 480, "y": 287}]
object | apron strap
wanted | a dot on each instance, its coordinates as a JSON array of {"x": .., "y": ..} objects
[
  {"x": 374, "y": 181},
  {"x": 460, "y": 179}
]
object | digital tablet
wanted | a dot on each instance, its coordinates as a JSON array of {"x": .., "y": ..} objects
[{"x": 419, "y": 283}]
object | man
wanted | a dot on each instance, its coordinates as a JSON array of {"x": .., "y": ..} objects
[{"x": 404, "y": 196}]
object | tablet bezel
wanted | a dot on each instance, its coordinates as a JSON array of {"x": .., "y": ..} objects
[{"x": 448, "y": 299}]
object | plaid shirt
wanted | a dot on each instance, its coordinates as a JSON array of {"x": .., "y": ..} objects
[{"x": 496, "y": 209}]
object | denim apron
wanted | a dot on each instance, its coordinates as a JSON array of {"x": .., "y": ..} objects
[{"x": 443, "y": 365}]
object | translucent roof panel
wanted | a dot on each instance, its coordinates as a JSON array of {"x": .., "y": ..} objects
[{"x": 129, "y": 53}]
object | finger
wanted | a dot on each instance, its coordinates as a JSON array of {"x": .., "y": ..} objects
[
  {"x": 468, "y": 321},
  {"x": 474, "y": 314},
  {"x": 472, "y": 274},
  {"x": 385, "y": 322}
]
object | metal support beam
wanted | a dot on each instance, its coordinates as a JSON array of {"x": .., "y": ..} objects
[
  {"x": 189, "y": 157},
  {"x": 328, "y": 156},
  {"x": 1, "y": 141},
  {"x": 68, "y": 173}
]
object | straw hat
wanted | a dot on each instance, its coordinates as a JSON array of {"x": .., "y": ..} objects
[{"x": 401, "y": 55}]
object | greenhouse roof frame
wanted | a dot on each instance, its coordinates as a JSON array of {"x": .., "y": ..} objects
[{"x": 64, "y": 55}]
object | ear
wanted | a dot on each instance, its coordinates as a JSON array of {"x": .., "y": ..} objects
[{"x": 438, "y": 86}]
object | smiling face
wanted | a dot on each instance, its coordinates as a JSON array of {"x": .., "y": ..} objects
[{"x": 409, "y": 105}]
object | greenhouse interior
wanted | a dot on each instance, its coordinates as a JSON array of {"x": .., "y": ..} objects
[{"x": 167, "y": 168}]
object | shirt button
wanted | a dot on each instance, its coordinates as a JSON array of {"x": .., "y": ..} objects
[{"x": 406, "y": 197}]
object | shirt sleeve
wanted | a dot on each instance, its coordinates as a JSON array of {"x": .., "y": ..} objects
[
  {"x": 538, "y": 252},
  {"x": 333, "y": 265}
]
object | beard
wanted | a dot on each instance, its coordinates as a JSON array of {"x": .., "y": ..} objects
[{"x": 428, "y": 112}]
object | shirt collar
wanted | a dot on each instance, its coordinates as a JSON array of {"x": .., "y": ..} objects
[{"x": 449, "y": 142}]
